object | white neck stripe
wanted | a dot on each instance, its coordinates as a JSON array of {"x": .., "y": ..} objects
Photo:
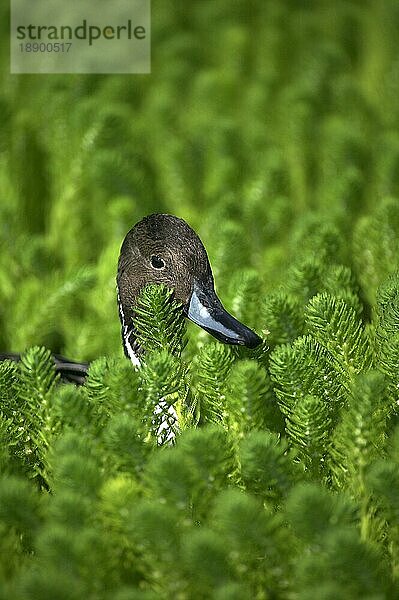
[{"x": 126, "y": 335}]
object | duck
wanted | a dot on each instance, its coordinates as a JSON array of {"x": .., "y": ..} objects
[{"x": 163, "y": 249}]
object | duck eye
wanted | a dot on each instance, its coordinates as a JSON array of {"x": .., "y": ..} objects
[{"x": 157, "y": 262}]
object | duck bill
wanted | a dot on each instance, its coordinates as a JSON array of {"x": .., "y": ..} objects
[{"x": 206, "y": 310}]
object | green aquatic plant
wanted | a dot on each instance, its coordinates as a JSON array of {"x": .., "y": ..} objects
[{"x": 272, "y": 129}]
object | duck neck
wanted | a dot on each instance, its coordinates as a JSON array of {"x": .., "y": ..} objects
[{"x": 131, "y": 346}]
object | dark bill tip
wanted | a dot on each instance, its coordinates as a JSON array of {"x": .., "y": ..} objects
[{"x": 206, "y": 310}]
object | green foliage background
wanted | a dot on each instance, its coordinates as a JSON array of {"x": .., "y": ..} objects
[{"x": 272, "y": 127}]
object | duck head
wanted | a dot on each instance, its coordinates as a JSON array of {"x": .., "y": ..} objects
[{"x": 164, "y": 249}]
